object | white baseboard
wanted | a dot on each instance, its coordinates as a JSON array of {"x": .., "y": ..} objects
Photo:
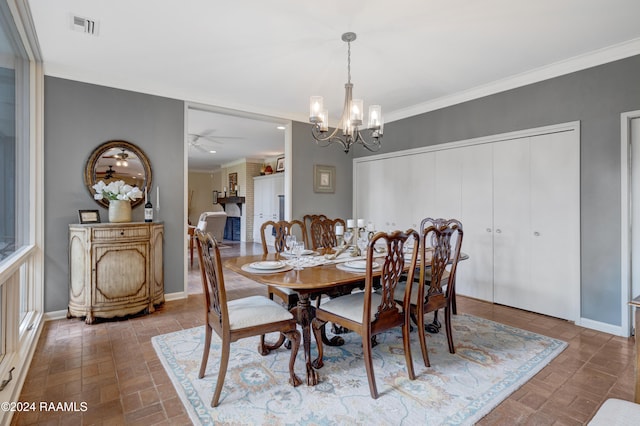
[{"x": 56, "y": 315}]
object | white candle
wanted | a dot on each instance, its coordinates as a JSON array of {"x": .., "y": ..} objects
[
  {"x": 157, "y": 197},
  {"x": 145, "y": 195},
  {"x": 339, "y": 230},
  {"x": 360, "y": 223},
  {"x": 349, "y": 223},
  {"x": 371, "y": 227}
]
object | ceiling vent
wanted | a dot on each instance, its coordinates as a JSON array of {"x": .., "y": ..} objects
[{"x": 84, "y": 25}]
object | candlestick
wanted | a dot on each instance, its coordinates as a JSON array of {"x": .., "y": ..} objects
[
  {"x": 360, "y": 223},
  {"x": 339, "y": 230},
  {"x": 371, "y": 227},
  {"x": 349, "y": 223}
]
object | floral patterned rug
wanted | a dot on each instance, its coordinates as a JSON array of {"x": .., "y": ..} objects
[{"x": 491, "y": 362}]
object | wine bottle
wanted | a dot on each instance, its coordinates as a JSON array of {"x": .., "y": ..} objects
[{"x": 148, "y": 209}]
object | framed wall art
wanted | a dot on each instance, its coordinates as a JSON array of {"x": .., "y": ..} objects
[
  {"x": 324, "y": 178},
  {"x": 89, "y": 216},
  {"x": 280, "y": 165}
]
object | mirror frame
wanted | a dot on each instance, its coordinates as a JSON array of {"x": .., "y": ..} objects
[{"x": 90, "y": 168}]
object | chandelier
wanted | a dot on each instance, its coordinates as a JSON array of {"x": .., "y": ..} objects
[{"x": 347, "y": 132}]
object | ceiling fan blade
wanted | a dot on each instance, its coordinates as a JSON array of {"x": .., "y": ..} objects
[{"x": 200, "y": 148}]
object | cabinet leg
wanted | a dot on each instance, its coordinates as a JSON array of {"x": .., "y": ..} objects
[
  {"x": 69, "y": 316},
  {"x": 89, "y": 319}
]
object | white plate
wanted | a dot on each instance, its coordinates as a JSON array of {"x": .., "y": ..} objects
[
  {"x": 307, "y": 252},
  {"x": 360, "y": 264},
  {"x": 268, "y": 264}
]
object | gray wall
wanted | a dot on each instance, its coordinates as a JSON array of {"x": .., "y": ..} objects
[
  {"x": 596, "y": 96},
  {"x": 305, "y": 154},
  {"x": 78, "y": 118}
]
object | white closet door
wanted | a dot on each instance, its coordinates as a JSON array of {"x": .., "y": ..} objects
[
  {"x": 368, "y": 181},
  {"x": 423, "y": 173},
  {"x": 555, "y": 225},
  {"x": 448, "y": 183},
  {"x": 394, "y": 202},
  {"x": 512, "y": 222},
  {"x": 475, "y": 275}
]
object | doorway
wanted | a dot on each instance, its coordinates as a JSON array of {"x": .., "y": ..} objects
[{"x": 630, "y": 215}]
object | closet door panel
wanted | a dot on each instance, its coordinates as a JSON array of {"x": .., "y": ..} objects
[
  {"x": 448, "y": 183},
  {"x": 475, "y": 275},
  {"x": 512, "y": 222},
  {"x": 423, "y": 173},
  {"x": 555, "y": 224}
]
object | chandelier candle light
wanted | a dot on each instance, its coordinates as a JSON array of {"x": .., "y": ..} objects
[{"x": 352, "y": 116}]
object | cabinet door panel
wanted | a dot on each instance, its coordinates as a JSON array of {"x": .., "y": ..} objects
[
  {"x": 475, "y": 275},
  {"x": 511, "y": 212},
  {"x": 555, "y": 224}
]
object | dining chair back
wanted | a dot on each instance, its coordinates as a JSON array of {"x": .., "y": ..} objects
[
  {"x": 436, "y": 284},
  {"x": 323, "y": 232},
  {"x": 279, "y": 230},
  {"x": 308, "y": 218},
  {"x": 372, "y": 312},
  {"x": 239, "y": 318}
]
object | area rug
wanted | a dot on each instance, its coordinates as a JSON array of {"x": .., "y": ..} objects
[{"x": 492, "y": 360}]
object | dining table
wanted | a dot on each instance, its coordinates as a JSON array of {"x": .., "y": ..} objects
[{"x": 320, "y": 274}]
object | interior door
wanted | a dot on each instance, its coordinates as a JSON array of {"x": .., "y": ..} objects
[
  {"x": 512, "y": 221},
  {"x": 475, "y": 275}
]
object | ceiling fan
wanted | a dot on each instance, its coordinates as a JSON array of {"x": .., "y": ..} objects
[{"x": 198, "y": 139}]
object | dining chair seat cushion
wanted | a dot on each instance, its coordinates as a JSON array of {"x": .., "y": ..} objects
[
  {"x": 351, "y": 306},
  {"x": 399, "y": 293},
  {"x": 255, "y": 310}
]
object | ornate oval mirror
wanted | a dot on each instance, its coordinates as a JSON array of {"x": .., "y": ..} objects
[{"x": 118, "y": 160}]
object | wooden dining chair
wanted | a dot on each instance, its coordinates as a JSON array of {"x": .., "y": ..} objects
[
  {"x": 280, "y": 230},
  {"x": 308, "y": 218},
  {"x": 435, "y": 288},
  {"x": 237, "y": 319},
  {"x": 323, "y": 232},
  {"x": 369, "y": 312}
]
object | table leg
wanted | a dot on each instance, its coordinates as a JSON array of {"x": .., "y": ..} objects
[
  {"x": 304, "y": 313},
  {"x": 191, "y": 248}
]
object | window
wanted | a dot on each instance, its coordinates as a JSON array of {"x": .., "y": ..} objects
[{"x": 21, "y": 282}]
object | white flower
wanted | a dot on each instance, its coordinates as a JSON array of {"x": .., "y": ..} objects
[{"x": 117, "y": 190}]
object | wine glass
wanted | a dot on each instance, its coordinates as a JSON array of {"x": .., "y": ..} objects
[
  {"x": 347, "y": 237},
  {"x": 289, "y": 243},
  {"x": 298, "y": 248},
  {"x": 362, "y": 244}
]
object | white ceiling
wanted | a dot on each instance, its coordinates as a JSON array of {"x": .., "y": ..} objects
[{"x": 268, "y": 57}]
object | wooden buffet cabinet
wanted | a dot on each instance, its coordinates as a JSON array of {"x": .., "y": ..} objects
[{"x": 115, "y": 269}]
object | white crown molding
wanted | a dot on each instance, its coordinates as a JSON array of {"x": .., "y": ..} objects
[
  {"x": 577, "y": 63},
  {"x": 567, "y": 66}
]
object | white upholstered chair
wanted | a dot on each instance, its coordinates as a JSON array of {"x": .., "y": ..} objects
[{"x": 213, "y": 223}]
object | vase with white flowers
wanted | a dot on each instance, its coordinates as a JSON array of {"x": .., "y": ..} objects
[{"x": 120, "y": 196}]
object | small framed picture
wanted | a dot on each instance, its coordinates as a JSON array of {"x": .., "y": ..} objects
[
  {"x": 324, "y": 178},
  {"x": 280, "y": 165},
  {"x": 89, "y": 216}
]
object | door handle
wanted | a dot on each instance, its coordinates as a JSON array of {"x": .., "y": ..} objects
[
  {"x": 536, "y": 233},
  {"x": 498, "y": 231},
  {"x": 488, "y": 229}
]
